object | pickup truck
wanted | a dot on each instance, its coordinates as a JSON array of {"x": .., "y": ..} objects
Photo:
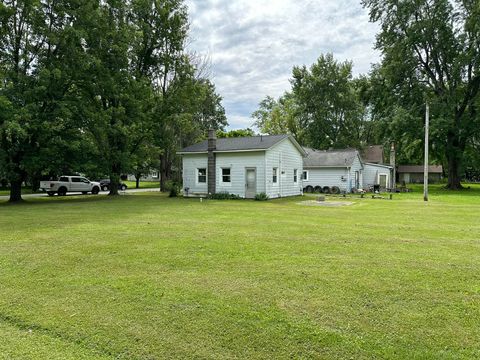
[{"x": 67, "y": 184}]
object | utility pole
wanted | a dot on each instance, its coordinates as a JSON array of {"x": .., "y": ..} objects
[
  {"x": 393, "y": 164},
  {"x": 425, "y": 170}
]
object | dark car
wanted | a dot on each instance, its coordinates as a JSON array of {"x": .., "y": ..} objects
[{"x": 105, "y": 185}]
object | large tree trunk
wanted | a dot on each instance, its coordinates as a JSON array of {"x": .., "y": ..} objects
[
  {"x": 454, "y": 178},
  {"x": 15, "y": 191},
  {"x": 454, "y": 157},
  {"x": 114, "y": 181},
  {"x": 163, "y": 172}
]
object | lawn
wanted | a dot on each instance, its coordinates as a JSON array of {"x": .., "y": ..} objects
[
  {"x": 143, "y": 184},
  {"x": 6, "y": 191},
  {"x": 150, "y": 277}
]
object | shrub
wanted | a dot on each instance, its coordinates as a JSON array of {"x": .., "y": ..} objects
[
  {"x": 261, "y": 197},
  {"x": 174, "y": 189},
  {"x": 223, "y": 196}
]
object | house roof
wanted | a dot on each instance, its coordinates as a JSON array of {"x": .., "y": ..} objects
[
  {"x": 434, "y": 169},
  {"x": 379, "y": 165},
  {"x": 250, "y": 143},
  {"x": 373, "y": 154},
  {"x": 329, "y": 158}
]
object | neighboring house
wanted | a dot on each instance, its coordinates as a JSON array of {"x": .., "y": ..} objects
[
  {"x": 411, "y": 174},
  {"x": 340, "y": 168},
  {"x": 244, "y": 166},
  {"x": 153, "y": 176},
  {"x": 373, "y": 154}
]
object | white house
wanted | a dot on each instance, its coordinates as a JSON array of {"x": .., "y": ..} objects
[
  {"x": 333, "y": 168},
  {"x": 244, "y": 166},
  {"x": 344, "y": 170}
]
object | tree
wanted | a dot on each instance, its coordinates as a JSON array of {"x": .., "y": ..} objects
[
  {"x": 144, "y": 161},
  {"x": 39, "y": 50},
  {"x": 432, "y": 48},
  {"x": 235, "y": 133},
  {"x": 329, "y": 108},
  {"x": 184, "y": 115},
  {"x": 278, "y": 116}
]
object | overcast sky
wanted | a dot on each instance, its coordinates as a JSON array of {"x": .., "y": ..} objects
[{"x": 253, "y": 44}]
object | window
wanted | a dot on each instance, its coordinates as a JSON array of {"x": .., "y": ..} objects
[
  {"x": 76, "y": 180},
  {"x": 155, "y": 175},
  {"x": 85, "y": 181},
  {"x": 275, "y": 175},
  {"x": 226, "y": 178},
  {"x": 63, "y": 179},
  {"x": 305, "y": 175},
  {"x": 295, "y": 176},
  {"x": 202, "y": 176}
]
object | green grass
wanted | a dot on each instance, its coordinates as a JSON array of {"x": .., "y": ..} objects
[
  {"x": 149, "y": 277},
  {"x": 6, "y": 191},
  {"x": 143, "y": 184}
]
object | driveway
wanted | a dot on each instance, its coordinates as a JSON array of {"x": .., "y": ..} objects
[{"x": 128, "y": 191}]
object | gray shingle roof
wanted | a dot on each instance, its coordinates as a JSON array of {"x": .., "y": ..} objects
[
  {"x": 237, "y": 144},
  {"x": 373, "y": 154},
  {"x": 329, "y": 158},
  {"x": 434, "y": 169}
]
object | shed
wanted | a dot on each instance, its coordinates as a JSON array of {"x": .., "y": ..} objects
[{"x": 411, "y": 174}]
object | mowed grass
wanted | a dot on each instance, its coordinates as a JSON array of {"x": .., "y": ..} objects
[
  {"x": 149, "y": 277},
  {"x": 143, "y": 184}
]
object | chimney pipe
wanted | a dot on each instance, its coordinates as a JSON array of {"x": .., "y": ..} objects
[{"x": 212, "y": 146}]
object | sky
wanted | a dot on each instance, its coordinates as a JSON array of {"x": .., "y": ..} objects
[{"x": 252, "y": 45}]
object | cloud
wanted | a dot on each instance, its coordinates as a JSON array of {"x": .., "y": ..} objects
[{"x": 253, "y": 44}]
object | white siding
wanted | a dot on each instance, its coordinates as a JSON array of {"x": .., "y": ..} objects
[
  {"x": 371, "y": 172},
  {"x": 327, "y": 177},
  {"x": 190, "y": 165},
  {"x": 356, "y": 166},
  {"x": 285, "y": 157},
  {"x": 342, "y": 177},
  {"x": 238, "y": 162}
]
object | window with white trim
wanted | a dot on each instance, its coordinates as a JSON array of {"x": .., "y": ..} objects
[
  {"x": 305, "y": 175},
  {"x": 226, "y": 175},
  {"x": 274, "y": 175},
  {"x": 202, "y": 175},
  {"x": 295, "y": 176}
]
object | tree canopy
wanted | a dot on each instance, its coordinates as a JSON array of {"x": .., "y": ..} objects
[
  {"x": 431, "y": 52},
  {"x": 88, "y": 87}
]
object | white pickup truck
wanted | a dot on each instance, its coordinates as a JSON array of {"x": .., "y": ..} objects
[{"x": 67, "y": 184}]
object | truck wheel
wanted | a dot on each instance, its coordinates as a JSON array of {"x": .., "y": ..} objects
[
  {"x": 123, "y": 187},
  {"x": 50, "y": 193},
  {"x": 62, "y": 191},
  {"x": 95, "y": 190},
  {"x": 105, "y": 188}
]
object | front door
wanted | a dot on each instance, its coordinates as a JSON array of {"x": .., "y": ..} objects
[
  {"x": 382, "y": 180},
  {"x": 251, "y": 183}
]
